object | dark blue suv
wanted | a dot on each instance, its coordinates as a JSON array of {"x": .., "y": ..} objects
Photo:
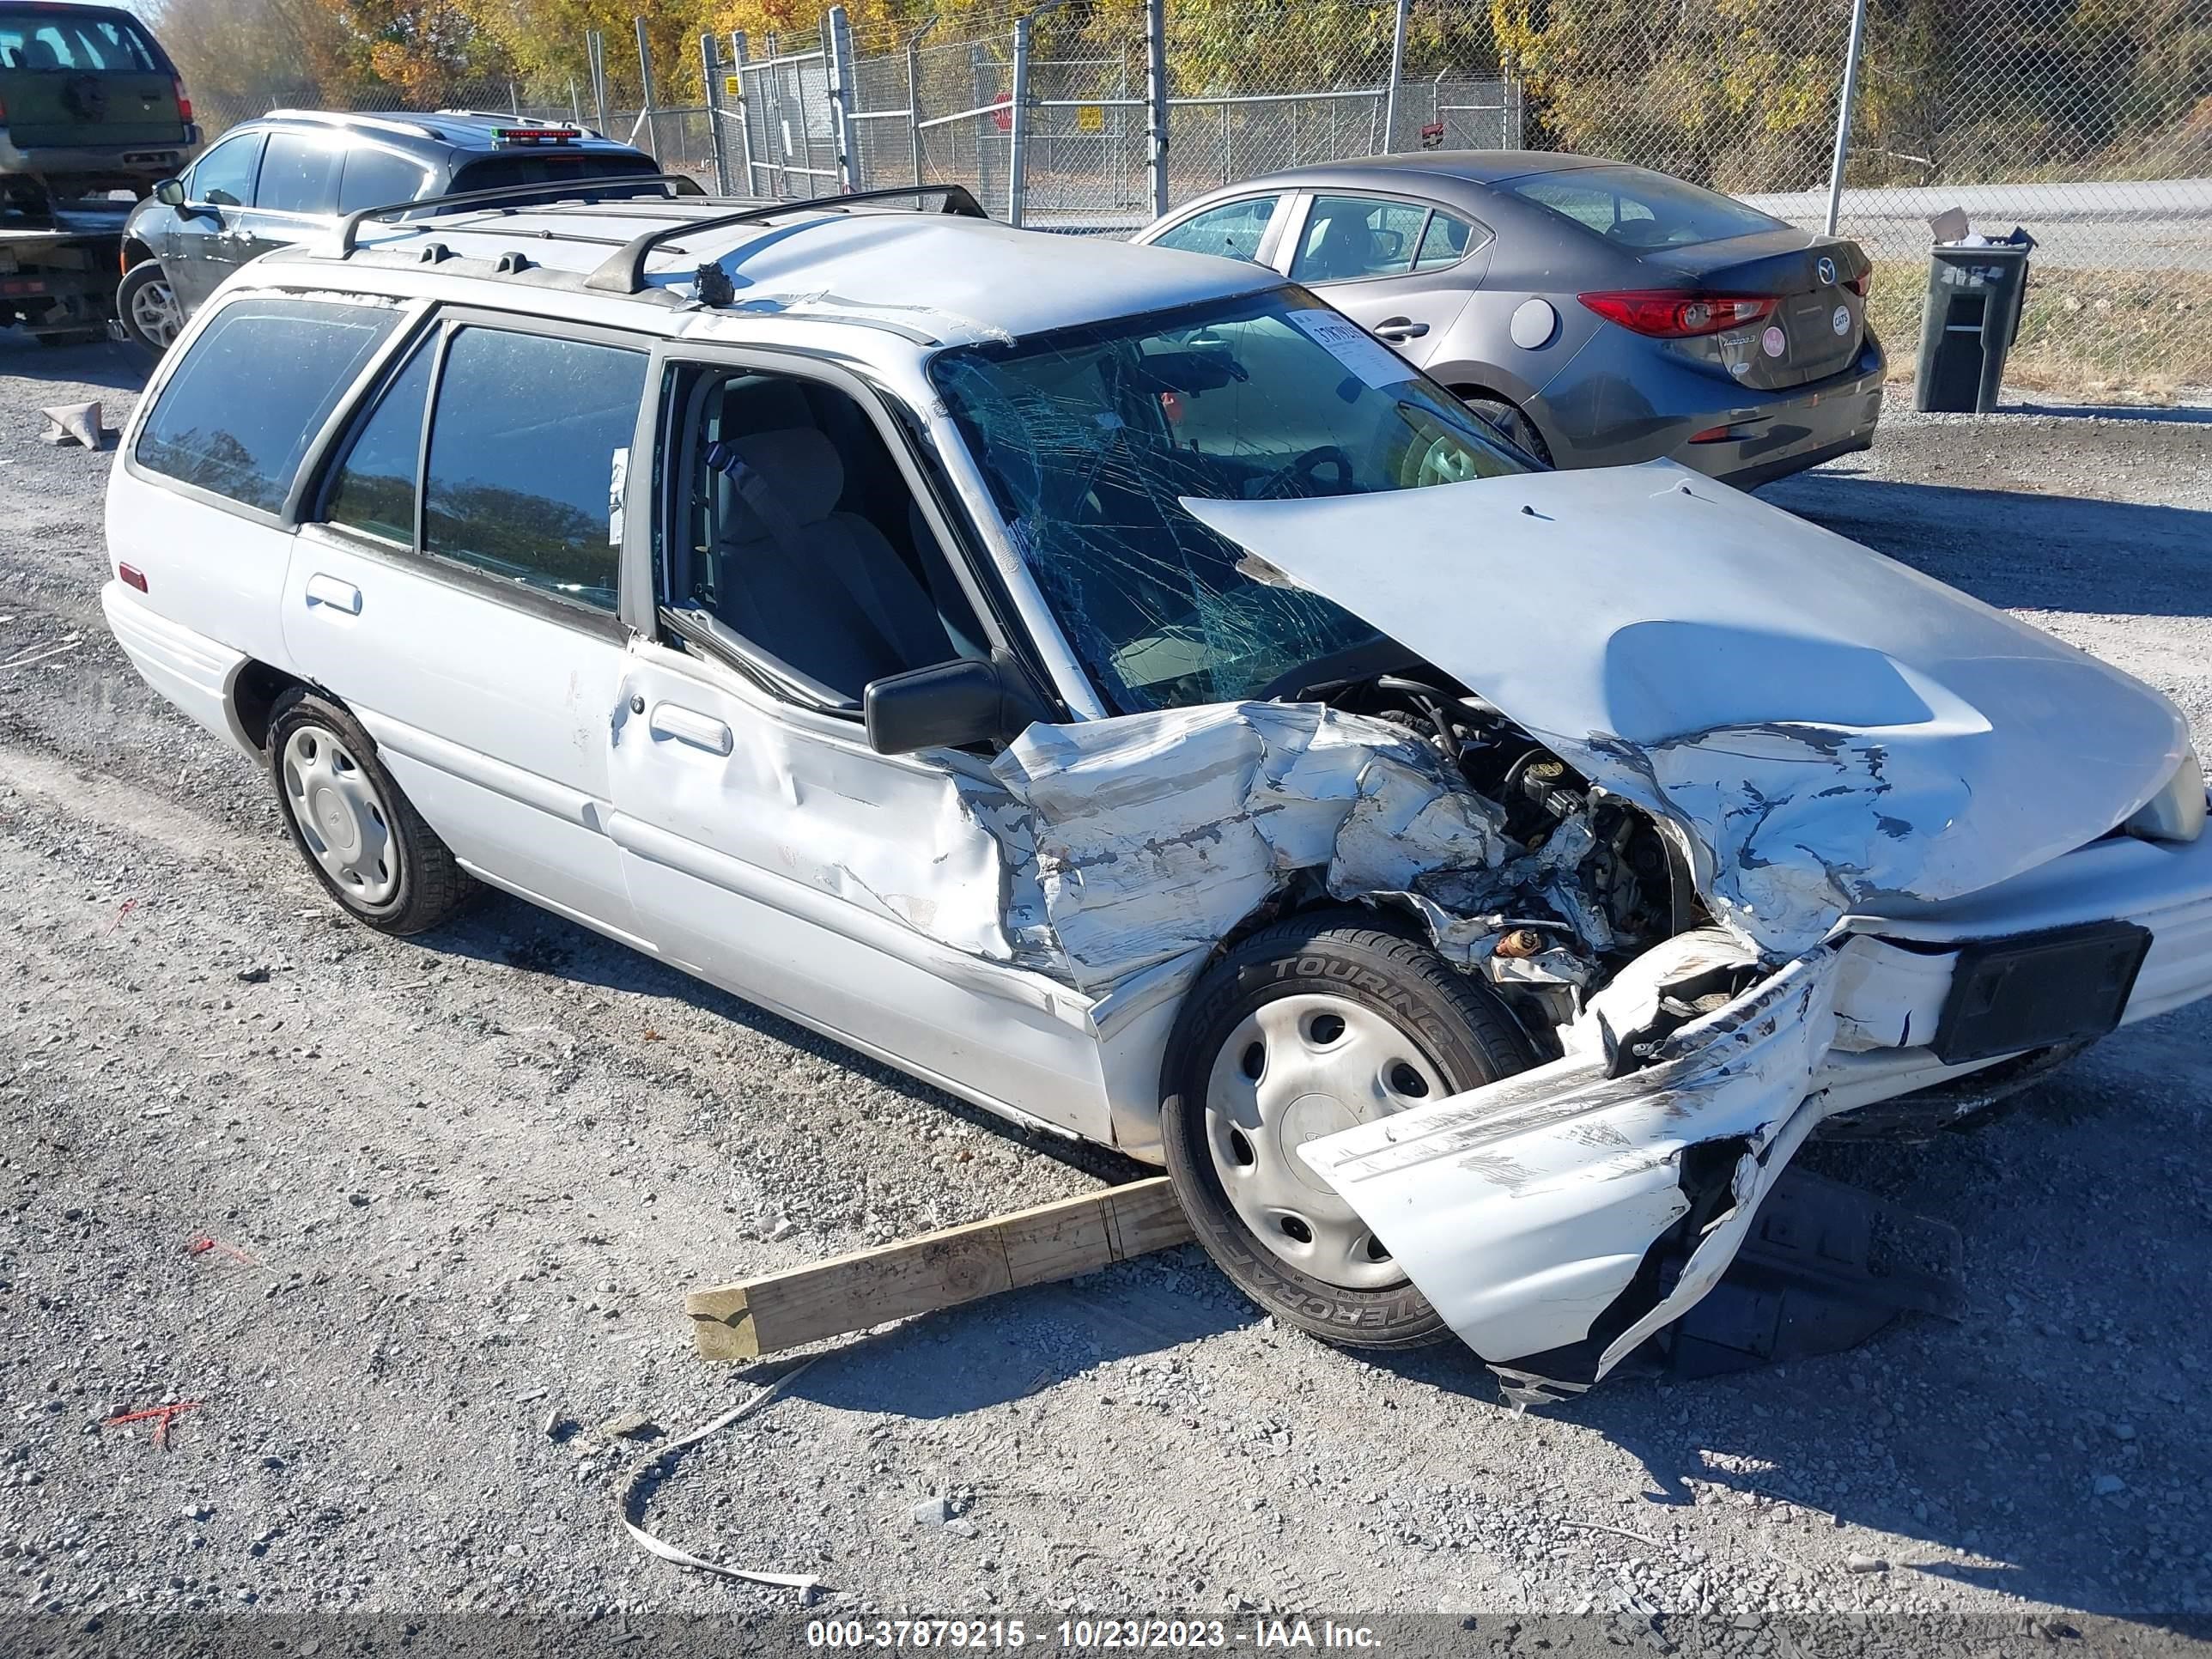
[{"x": 292, "y": 174}]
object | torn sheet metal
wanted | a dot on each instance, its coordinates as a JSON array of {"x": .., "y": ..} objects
[
  {"x": 1154, "y": 835},
  {"x": 1832, "y": 728},
  {"x": 1525, "y": 1211}
]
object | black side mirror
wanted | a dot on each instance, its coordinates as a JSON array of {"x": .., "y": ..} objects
[
  {"x": 951, "y": 705},
  {"x": 170, "y": 192}
]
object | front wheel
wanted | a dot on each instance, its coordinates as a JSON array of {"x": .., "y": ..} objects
[
  {"x": 1305, "y": 1029},
  {"x": 147, "y": 307}
]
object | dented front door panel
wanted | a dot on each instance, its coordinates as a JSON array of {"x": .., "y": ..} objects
[{"x": 860, "y": 894}]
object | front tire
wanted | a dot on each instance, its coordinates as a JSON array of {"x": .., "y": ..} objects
[
  {"x": 363, "y": 838},
  {"x": 147, "y": 307},
  {"x": 1306, "y": 1027}
]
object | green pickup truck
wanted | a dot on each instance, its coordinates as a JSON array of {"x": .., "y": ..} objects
[{"x": 88, "y": 102}]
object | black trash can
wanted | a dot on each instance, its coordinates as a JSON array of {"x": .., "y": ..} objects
[{"x": 1974, "y": 295}]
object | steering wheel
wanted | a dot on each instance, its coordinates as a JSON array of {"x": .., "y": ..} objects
[
  {"x": 1303, "y": 466},
  {"x": 1446, "y": 461}
]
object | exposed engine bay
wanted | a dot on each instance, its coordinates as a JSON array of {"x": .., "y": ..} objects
[{"x": 1611, "y": 888}]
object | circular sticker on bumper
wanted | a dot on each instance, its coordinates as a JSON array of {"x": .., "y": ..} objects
[
  {"x": 1840, "y": 320},
  {"x": 1773, "y": 342}
]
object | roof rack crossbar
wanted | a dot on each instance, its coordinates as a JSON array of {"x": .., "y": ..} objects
[
  {"x": 624, "y": 272},
  {"x": 506, "y": 196}
]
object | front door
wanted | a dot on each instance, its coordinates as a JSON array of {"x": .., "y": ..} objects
[
  {"x": 768, "y": 847},
  {"x": 1400, "y": 268},
  {"x": 199, "y": 251},
  {"x": 461, "y": 598}
]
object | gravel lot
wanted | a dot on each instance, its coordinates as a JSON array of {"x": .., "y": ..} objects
[{"x": 473, "y": 1172}]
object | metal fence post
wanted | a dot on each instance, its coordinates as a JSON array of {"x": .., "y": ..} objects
[
  {"x": 1397, "y": 75},
  {"x": 779, "y": 139},
  {"x": 644, "y": 84},
  {"x": 914, "y": 93},
  {"x": 595, "y": 55},
  {"x": 1017, "y": 116},
  {"x": 710, "y": 79},
  {"x": 737, "y": 58},
  {"x": 837, "y": 66},
  {"x": 1155, "y": 102},
  {"x": 1843, "y": 114},
  {"x": 575, "y": 107}
]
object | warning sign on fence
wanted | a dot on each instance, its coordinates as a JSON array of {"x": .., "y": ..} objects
[
  {"x": 733, "y": 86},
  {"x": 1090, "y": 117}
]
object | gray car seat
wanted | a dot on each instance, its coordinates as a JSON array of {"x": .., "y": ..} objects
[{"x": 821, "y": 589}]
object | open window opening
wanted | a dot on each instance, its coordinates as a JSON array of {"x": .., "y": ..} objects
[{"x": 797, "y": 537}]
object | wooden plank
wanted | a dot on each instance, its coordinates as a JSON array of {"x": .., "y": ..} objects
[{"x": 1061, "y": 1240}]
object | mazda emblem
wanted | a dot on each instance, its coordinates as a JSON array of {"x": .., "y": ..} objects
[{"x": 1826, "y": 269}]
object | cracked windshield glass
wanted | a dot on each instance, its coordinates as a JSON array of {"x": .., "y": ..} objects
[{"x": 1091, "y": 437}]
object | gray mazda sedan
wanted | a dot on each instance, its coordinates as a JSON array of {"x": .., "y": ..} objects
[{"x": 1596, "y": 314}]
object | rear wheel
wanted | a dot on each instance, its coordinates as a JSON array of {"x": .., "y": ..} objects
[
  {"x": 147, "y": 307},
  {"x": 1307, "y": 1028},
  {"x": 363, "y": 838},
  {"x": 1516, "y": 428}
]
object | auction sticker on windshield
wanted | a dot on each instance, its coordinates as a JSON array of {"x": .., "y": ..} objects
[{"x": 1353, "y": 346}]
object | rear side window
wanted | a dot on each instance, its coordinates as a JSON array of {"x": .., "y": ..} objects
[
  {"x": 1632, "y": 207},
  {"x": 299, "y": 174},
  {"x": 504, "y": 171},
  {"x": 529, "y": 445},
  {"x": 237, "y": 414},
  {"x": 377, "y": 178},
  {"x": 37, "y": 41},
  {"x": 1348, "y": 237},
  {"x": 224, "y": 176}
]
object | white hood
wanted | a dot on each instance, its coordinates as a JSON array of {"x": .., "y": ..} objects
[{"x": 1832, "y": 727}]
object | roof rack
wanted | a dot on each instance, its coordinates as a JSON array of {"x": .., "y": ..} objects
[
  {"x": 346, "y": 118},
  {"x": 509, "y": 196},
  {"x": 624, "y": 272}
]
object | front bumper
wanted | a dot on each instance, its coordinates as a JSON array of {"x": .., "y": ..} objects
[{"x": 1533, "y": 1212}]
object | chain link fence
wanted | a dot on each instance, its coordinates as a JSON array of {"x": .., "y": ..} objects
[{"x": 2088, "y": 122}]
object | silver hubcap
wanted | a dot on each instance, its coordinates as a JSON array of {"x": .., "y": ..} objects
[
  {"x": 154, "y": 312},
  {"x": 345, "y": 826},
  {"x": 1295, "y": 1069}
]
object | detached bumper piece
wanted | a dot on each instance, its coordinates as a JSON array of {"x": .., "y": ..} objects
[{"x": 1825, "y": 1267}]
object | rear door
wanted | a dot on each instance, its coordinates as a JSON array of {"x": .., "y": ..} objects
[
  {"x": 1402, "y": 269},
  {"x": 91, "y": 78},
  {"x": 296, "y": 196},
  {"x": 459, "y": 591}
]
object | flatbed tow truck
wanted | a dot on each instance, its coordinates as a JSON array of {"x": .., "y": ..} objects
[{"x": 59, "y": 263}]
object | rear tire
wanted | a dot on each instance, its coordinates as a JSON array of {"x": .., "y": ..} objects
[
  {"x": 1306, "y": 1028},
  {"x": 1516, "y": 428},
  {"x": 361, "y": 836}
]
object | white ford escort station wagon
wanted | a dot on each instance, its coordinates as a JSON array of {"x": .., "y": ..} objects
[{"x": 1106, "y": 684}]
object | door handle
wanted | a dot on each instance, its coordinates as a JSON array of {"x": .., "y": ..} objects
[
  {"x": 1400, "y": 328},
  {"x": 330, "y": 591},
  {"x": 690, "y": 726}
]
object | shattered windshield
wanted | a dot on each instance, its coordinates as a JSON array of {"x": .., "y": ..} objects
[{"x": 1091, "y": 437}]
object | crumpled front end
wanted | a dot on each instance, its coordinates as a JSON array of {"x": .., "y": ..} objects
[{"x": 1534, "y": 1213}]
